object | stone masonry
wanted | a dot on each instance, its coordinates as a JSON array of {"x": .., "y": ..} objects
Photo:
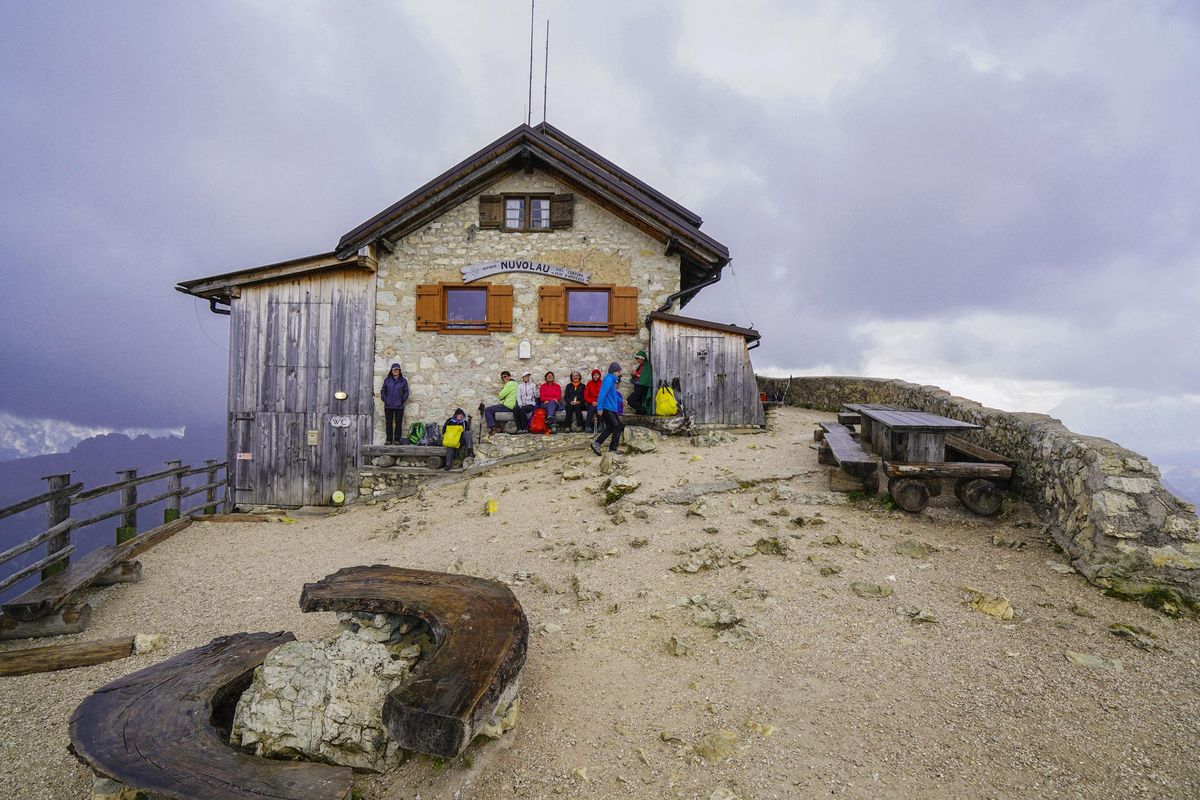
[
  {"x": 1104, "y": 505},
  {"x": 446, "y": 371}
]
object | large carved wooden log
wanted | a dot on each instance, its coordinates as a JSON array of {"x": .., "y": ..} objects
[
  {"x": 480, "y": 633},
  {"x": 125, "y": 572},
  {"x": 152, "y": 731},
  {"x": 64, "y": 656}
]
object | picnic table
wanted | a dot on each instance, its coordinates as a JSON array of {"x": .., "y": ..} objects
[{"x": 913, "y": 447}]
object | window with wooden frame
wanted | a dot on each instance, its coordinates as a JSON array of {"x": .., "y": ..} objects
[
  {"x": 588, "y": 310},
  {"x": 526, "y": 212},
  {"x": 455, "y": 308}
]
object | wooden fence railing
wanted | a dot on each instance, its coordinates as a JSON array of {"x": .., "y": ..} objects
[{"x": 61, "y": 494}]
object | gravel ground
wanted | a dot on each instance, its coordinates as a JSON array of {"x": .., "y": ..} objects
[{"x": 832, "y": 694}]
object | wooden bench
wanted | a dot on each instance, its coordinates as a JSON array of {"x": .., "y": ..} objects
[
  {"x": 840, "y": 448},
  {"x": 410, "y": 455},
  {"x": 48, "y": 608},
  {"x": 481, "y": 636},
  {"x": 962, "y": 450},
  {"x": 848, "y": 419},
  {"x": 976, "y": 484},
  {"x": 153, "y": 730}
]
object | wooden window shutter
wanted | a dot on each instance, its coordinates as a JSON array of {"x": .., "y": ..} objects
[
  {"x": 562, "y": 210},
  {"x": 491, "y": 211},
  {"x": 429, "y": 307},
  {"x": 552, "y": 309},
  {"x": 624, "y": 316},
  {"x": 499, "y": 307}
]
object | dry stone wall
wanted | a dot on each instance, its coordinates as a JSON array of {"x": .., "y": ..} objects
[
  {"x": 1105, "y": 505},
  {"x": 446, "y": 371}
]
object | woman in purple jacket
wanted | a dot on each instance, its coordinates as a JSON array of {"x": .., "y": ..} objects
[{"x": 394, "y": 395}]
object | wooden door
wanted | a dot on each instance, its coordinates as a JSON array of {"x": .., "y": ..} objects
[{"x": 704, "y": 358}]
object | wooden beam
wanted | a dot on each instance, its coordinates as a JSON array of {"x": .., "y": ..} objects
[
  {"x": 71, "y": 618},
  {"x": 54, "y": 657},
  {"x": 25, "y": 505},
  {"x": 950, "y": 469}
]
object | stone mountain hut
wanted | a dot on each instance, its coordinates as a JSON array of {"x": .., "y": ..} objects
[{"x": 534, "y": 253}]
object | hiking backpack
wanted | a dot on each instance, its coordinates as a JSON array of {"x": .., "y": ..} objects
[
  {"x": 416, "y": 432},
  {"x": 433, "y": 435},
  {"x": 537, "y": 423}
]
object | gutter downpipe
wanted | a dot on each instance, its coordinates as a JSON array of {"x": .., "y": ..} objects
[{"x": 690, "y": 291}]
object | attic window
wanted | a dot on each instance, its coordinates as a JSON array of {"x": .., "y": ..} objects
[{"x": 526, "y": 212}]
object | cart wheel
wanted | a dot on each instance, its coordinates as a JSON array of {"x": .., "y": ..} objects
[
  {"x": 910, "y": 494},
  {"x": 980, "y": 495}
]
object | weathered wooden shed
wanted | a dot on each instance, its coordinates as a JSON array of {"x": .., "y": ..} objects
[
  {"x": 712, "y": 363},
  {"x": 301, "y": 344}
]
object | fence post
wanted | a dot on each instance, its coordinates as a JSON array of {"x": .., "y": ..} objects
[
  {"x": 175, "y": 487},
  {"x": 210, "y": 477},
  {"x": 57, "y": 510},
  {"x": 128, "y": 528}
]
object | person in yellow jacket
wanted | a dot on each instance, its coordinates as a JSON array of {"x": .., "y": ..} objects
[{"x": 508, "y": 402}]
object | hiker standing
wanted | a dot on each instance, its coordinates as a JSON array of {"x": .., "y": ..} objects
[
  {"x": 574, "y": 401},
  {"x": 608, "y": 407},
  {"x": 640, "y": 402},
  {"x": 394, "y": 395},
  {"x": 508, "y": 402}
]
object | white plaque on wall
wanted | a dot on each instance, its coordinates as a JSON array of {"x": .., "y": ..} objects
[{"x": 474, "y": 272}]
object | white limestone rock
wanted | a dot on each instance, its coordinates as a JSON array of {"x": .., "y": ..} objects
[{"x": 323, "y": 700}]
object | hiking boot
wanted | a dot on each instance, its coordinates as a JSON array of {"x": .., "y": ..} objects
[{"x": 595, "y": 448}]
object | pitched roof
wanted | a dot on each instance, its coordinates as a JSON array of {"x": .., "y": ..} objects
[
  {"x": 749, "y": 334},
  {"x": 580, "y": 168}
]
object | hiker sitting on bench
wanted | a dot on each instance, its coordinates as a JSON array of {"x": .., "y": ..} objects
[
  {"x": 550, "y": 398},
  {"x": 591, "y": 393},
  {"x": 456, "y": 433},
  {"x": 508, "y": 402},
  {"x": 574, "y": 403},
  {"x": 527, "y": 400}
]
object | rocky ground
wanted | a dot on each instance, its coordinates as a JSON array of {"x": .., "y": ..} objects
[{"x": 729, "y": 628}]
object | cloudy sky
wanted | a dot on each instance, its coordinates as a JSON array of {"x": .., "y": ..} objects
[{"x": 1000, "y": 198}]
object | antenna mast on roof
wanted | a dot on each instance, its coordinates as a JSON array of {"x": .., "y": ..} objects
[
  {"x": 546, "y": 72},
  {"x": 529, "y": 101}
]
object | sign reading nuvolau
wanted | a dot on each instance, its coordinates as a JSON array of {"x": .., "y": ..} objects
[{"x": 474, "y": 272}]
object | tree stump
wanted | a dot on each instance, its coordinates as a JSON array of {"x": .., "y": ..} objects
[
  {"x": 979, "y": 495},
  {"x": 910, "y": 494}
]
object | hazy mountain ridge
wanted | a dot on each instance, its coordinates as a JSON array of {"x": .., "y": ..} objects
[{"x": 94, "y": 462}]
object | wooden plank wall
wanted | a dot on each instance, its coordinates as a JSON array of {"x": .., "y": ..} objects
[
  {"x": 718, "y": 388},
  {"x": 293, "y": 344}
]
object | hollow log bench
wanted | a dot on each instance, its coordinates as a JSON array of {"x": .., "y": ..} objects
[
  {"x": 481, "y": 635},
  {"x": 153, "y": 731}
]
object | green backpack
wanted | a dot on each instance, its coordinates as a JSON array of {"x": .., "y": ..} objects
[{"x": 416, "y": 432}]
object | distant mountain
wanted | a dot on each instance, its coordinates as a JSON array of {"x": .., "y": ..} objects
[
  {"x": 94, "y": 462},
  {"x": 1183, "y": 480}
]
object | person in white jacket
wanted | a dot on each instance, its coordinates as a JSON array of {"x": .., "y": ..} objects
[{"x": 527, "y": 396}]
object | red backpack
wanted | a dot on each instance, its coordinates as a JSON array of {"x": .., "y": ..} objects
[{"x": 537, "y": 423}]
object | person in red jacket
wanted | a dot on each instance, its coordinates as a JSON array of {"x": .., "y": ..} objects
[
  {"x": 591, "y": 393},
  {"x": 550, "y": 398}
]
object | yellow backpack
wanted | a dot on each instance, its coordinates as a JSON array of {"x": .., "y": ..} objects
[
  {"x": 452, "y": 435},
  {"x": 665, "y": 404}
]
